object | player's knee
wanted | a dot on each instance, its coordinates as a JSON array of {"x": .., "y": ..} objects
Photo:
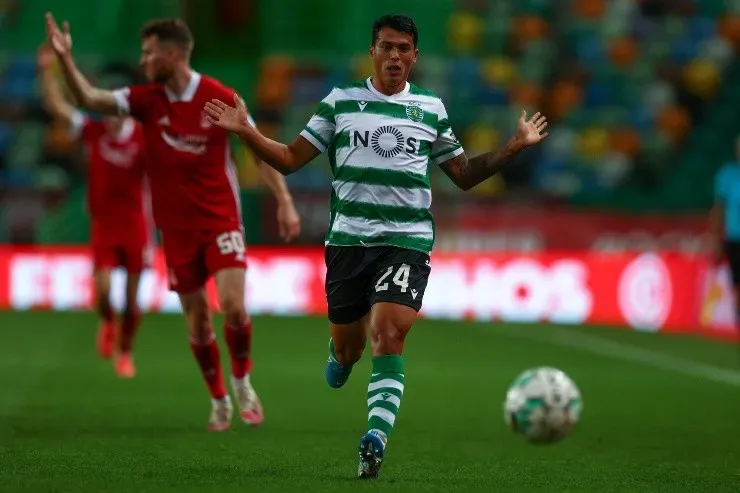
[
  {"x": 198, "y": 318},
  {"x": 388, "y": 333},
  {"x": 234, "y": 311},
  {"x": 200, "y": 328},
  {"x": 348, "y": 354},
  {"x": 388, "y": 339}
]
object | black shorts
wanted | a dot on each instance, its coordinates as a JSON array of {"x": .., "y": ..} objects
[
  {"x": 358, "y": 277},
  {"x": 732, "y": 252}
]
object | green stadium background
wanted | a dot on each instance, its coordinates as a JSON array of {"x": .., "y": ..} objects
[{"x": 641, "y": 117}]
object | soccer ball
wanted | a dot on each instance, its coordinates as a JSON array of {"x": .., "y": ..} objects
[{"x": 543, "y": 405}]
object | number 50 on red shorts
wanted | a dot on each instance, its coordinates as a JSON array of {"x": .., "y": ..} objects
[{"x": 194, "y": 256}]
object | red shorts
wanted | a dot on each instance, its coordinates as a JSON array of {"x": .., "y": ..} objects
[
  {"x": 134, "y": 257},
  {"x": 193, "y": 257}
]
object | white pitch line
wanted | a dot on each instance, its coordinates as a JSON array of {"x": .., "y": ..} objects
[{"x": 626, "y": 352}]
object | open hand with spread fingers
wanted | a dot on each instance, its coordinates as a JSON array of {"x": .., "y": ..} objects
[
  {"x": 60, "y": 39},
  {"x": 225, "y": 116},
  {"x": 530, "y": 132}
]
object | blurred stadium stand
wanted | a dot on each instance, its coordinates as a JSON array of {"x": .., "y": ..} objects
[{"x": 640, "y": 94}]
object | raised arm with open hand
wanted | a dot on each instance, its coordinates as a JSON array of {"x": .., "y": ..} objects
[
  {"x": 284, "y": 158},
  {"x": 89, "y": 97}
]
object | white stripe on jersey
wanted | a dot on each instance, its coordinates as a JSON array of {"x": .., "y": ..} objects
[
  {"x": 370, "y": 228},
  {"x": 383, "y": 195}
]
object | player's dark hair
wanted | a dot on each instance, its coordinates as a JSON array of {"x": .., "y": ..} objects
[
  {"x": 400, "y": 23},
  {"x": 172, "y": 31}
]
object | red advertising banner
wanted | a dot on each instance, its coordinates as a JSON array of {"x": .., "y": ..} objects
[{"x": 670, "y": 292}]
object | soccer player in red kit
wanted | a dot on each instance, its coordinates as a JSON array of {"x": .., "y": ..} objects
[
  {"x": 116, "y": 204},
  {"x": 194, "y": 197}
]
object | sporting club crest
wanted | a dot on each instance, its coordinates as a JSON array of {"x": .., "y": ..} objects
[{"x": 414, "y": 112}]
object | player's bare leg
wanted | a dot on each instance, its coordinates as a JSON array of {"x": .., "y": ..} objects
[
  {"x": 238, "y": 333},
  {"x": 130, "y": 320},
  {"x": 389, "y": 325},
  {"x": 106, "y": 337},
  {"x": 346, "y": 346},
  {"x": 205, "y": 349}
]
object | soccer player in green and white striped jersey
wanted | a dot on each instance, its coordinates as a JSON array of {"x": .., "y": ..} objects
[{"x": 382, "y": 135}]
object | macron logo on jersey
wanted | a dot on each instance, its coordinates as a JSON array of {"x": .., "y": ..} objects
[
  {"x": 182, "y": 146},
  {"x": 362, "y": 105},
  {"x": 193, "y": 144}
]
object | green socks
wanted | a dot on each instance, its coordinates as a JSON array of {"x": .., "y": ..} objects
[{"x": 384, "y": 393}]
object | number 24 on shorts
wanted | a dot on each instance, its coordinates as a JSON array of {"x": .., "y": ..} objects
[
  {"x": 231, "y": 242},
  {"x": 400, "y": 279}
]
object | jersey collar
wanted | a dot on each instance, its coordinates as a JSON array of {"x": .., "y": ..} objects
[
  {"x": 371, "y": 88},
  {"x": 189, "y": 92}
]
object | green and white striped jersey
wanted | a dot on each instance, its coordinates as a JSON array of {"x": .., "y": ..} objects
[{"x": 380, "y": 148}]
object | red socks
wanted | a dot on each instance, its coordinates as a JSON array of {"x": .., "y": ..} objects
[
  {"x": 209, "y": 362},
  {"x": 239, "y": 340},
  {"x": 129, "y": 326}
]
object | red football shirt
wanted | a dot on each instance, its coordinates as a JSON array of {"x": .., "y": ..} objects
[
  {"x": 191, "y": 169},
  {"x": 115, "y": 179}
]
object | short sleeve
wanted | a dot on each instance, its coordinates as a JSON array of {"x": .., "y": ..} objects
[
  {"x": 77, "y": 124},
  {"x": 132, "y": 100},
  {"x": 446, "y": 146},
  {"x": 721, "y": 184},
  {"x": 320, "y": 129}
]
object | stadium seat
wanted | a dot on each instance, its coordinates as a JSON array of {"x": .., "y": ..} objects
[
  {"x": 19, "y": 79},
  {"x": 464, "y": 32}
]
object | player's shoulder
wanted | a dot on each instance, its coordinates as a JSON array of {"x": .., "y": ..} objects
[
  {"x": 727, "y": 176},
  {"x": 420, "y": 91},
  {"x": 727, "y": 171},
  {"x": 358, "y": 84},
  {"x": 91, "y": 126},
  {"x": 426, "y": 97},
  {"x": 89, "y": 130},
  {"x": 144, "y": 88},
  {"x": 214, "y": 86},
  {"x": 352, "y": 90},
  {"x": 209, "y": 82}
]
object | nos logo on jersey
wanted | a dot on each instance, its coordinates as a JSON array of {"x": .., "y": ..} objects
[{"x": 386, "y": 141}]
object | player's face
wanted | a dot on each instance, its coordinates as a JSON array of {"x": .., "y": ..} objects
[
  {"x": 157, "y": 59},
  {"x": 393, "y": 55}
]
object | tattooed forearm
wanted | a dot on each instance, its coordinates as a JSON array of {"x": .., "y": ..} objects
[{"x": 466, "y": 172}]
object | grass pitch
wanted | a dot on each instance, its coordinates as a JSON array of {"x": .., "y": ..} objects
[{"x": 661, "y": 413}]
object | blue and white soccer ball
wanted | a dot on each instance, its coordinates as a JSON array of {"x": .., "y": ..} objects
[{"x": 543, "y": 405}]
